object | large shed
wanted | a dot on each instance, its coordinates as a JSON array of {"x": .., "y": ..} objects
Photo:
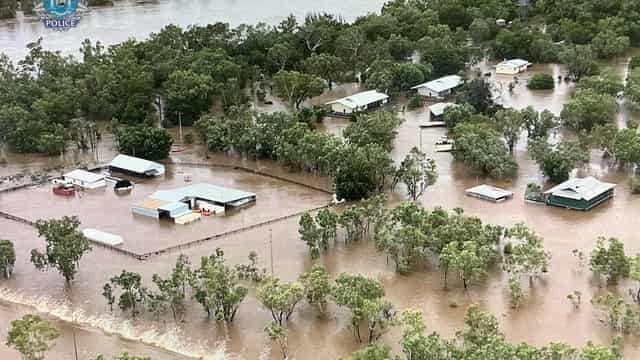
[
  {"x": 489, "y": 193},
  {"x": 85, "y": 179},
  {"x": 439, "y": 88},
  {"x": 512, "y": 67},
  {"x": 136, "y": 166},
  {"x": 579, "y": 193},
  {"x": 366, "y": 100}
]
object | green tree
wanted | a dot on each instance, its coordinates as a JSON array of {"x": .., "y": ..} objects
[
  {"x": 144, "y": 141},
  {"x": 632, "y": 90},
  {"x": 609, "y": 260},
  {"x": 216, "y": 287},
  {"x": 634, "y": 274},
  {"x": 125, "y": 356},
  {"x": 328, "y": 67},
  {"x": 588, "y": 109},
  {"x": 626, "y": 146},
  {"x": 310, "y": 234},
  {"x": 327, "y": 221},
  {"x": 476, "y": 93},
  {"x": 580, "y": 61},
  {"x": 375, "y": 351},
  {"x": 65, "y": 246},
  {"x": 608, "y": 44},
  {"x": 607, "y": 82},
  {"x": 295, "y": 87},
  {"x": 376, "y": 128},
  {"x": 7, "y": 258},
  {"x": 541, "y": 81},
  {"x": 315, "y": 285},
  {"x": 280, "y": 298},
  {"x": 557, "y": 161},
  {"x": 362, "y": 171},
  {"x": 468, "y": 260},
  {"x": 539, "y": 124},
  {"x": 527, "y": 255},
  {"x": 188, "y": 96},
  {"x": 174, "y": 288},
  {"x": 278, "y": 334},
  {"x": 510, "y": 123},
  {"x": 482, "y": 149},
  {"x": 31, "y": 336},
  {"x": 417, "y": 172},
  {"x": 132, "y": 292}
]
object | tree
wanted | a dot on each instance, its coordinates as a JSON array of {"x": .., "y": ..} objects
[
  {"x": 539, "y": 124},
  {"x": 328, "y": 67},
  {"x": 362, "y": 171},
  {"x": 132, "y": 292},
  {"x": 632, "y": 90},
  {"x": 315, "y": 285},
  {"x": 188, "y": 96},
  {"x": 362, "y": 296},
  {"x": 482, "y": 149},
  {"x": 280, "y": 298},
  {"x": 278, "y": 334},
  {"x": 296, "y": 87},
  {"x": 310, "y": 234},
  {"x": 65, "y": 246},
  {"x": 526, "y": 252},
  {"x": 626, "y": 146},
  {"x": 417, "y": 172},
  {"x": 454, "y": 115},
  {"x": 7, "y": 258},
  {"x": 375, "y": 351},
  {"x": 634, "y": 274},
  {"x": 609, "y": 260},
  {"x": 541, "y": 82},
  {"x": 510, "y": 123},
  {"x": 376, "y": 128},
  {"x": 468, "y": 260},
  {"x": 608, "y": 44},
  {"x": 174, "y": 288},
  {"x": 144, "y": 141},
  {"x": 607, "y": 82},
  {"x": 476, "y": 93},
  {"x": 216, "y": 287},
  {"x": 415, "y": 344},
  {"x": 327, "y": 221},
  {"x": 125, "y": 356},
  {"x": 31, "y": 336},
  {"x": 588, "y": 109},
  {"x": 580, "y": 61},
  {"x": 557, "y": 161}
]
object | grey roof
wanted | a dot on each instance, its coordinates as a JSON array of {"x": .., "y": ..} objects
[
  {"x": 209, "y": 192},
  {"x": 438, "y": 109},
  {"x": 360, "y": 99},
  {"x": 514, "y": 63},
  {"x": 442, "y": 84},
  {"x": 135, "y": 164},
  {"x": 489, "y": 191},
  {"x": 84, "y": 175},
  {"x": 580, "y": 188}
]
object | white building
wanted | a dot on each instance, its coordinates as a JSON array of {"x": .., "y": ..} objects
[
  {"x": 437, "y": 110},
  {"x": 363, "y": 101},
  {"x": 136, "y": 166},
  {"x": 439, "y": 88},
  {"x": 85, "y": 179},
  {"x": 512, "y": 67}
]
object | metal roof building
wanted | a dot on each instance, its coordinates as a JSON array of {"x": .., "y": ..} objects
[
  {"x": 136, "y": 166},
  {"x": 439, "y": 88},
  {"x": 580, "y": 193},
  {"x": 512, "y": 67},
  {"x": 490, "y": 193},
  {"x": 438, "y": 109},
  {"x": 363, "y": 101},
  {"x": 85, "y": 179}
]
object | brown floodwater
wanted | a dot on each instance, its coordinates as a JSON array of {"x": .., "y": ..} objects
[{"x": 545, "y": 315}]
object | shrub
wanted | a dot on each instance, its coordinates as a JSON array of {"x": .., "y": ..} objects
[
  {"x": 541, "y": 82},
  {"x": 634, "y": 183},
  {"x": 635, "y": 62},
  {"x": 415, "y": 102}
]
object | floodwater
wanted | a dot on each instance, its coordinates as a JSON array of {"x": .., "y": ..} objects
[
  {"x": 544, "y": 316},
  {"x": 131, "y": 19}
]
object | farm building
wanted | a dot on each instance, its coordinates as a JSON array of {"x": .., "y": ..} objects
[
  {"x": 437, "y": 110},
  {"x": 489, "y": 193},
  {"x": 359, "y": 102},
  {"x": 512, "y": 67},
  {"x": 180, "y": 202},
  {"x": 136, "y": 166},
  {"x": 579, "y": 193},
  {"x": 84, "y": 179},
  {"x": 439, "y": 88}
]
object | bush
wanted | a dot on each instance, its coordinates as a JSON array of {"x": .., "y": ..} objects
[
  {"x": 415, "y": 102},
  {"x": 144, "y": 141},
  {"x": 635, "y": 62},
  {"x": 634, "y": 183},
  {"x": 541, "y": 82}
]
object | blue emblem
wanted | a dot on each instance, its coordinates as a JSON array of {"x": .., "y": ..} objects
[{"x": 61, "y": 15}]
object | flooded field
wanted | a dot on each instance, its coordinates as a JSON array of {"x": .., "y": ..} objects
[{"x": 105, "y": 210}]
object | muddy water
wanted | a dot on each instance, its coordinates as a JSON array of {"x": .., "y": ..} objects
[{"x": 127, "y": 19}]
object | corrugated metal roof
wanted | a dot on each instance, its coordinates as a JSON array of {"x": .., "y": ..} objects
[
  {"x": 360, "y": 99},
  {"x": 442, "y": 84},
  {"x": 515, "y": 63},
  {"x": 489, "y": 191},
  {"x": 580, "y": 188},
  {"x": 135, "y": 164},
  {"x": 438, "y": 109},
  {"x": 209, "y": 192},
  {"x": 83, "y": 175}
]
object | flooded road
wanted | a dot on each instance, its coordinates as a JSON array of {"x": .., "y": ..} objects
[{"x": 128, "y": 19}]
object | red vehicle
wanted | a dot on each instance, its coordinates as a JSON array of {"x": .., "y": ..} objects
[{"x": 64, "y": 190}]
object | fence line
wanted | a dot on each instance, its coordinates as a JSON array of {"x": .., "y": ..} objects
[{"x": 250, "y": 170}]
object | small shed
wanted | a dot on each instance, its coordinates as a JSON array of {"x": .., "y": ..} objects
[
  {"x": 359, "y": 102},
  {"x": 580, "y": 193},
  {"x": 512, "y": 67},
  {"x": 102, "y": 237},
  {"x": 136, "y": 166},
  {"x": 489, "y": 193},
  {"x": 439, "y": 88},
  {"x": 437, "y": 110},
  {"x": 85, "y": 179}
]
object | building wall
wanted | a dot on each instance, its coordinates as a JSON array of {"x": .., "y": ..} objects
[
  {"x": 567, "y": 203},
  {"x": 146, "y": 212},
  {"x": 339, "y": 108},
  {"x": 509, "y": 70}
]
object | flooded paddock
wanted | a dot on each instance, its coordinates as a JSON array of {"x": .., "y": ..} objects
[{"x": 108, "y": 211}]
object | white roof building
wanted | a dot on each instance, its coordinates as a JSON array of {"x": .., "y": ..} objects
[
  {"x": 130, "y": 164},
  {"x": 85, "y": 179},
  {"x": 512, "y": 67},
  {"x": 438, "y": 109},
  {"x": 490, "y": 193},
  {"x": 580, "y": 193},
  {"x": 358, "y": 102},
  {"x": 439, "y": 88}
]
